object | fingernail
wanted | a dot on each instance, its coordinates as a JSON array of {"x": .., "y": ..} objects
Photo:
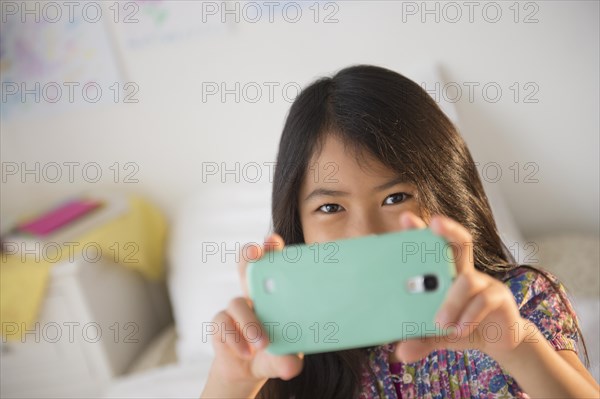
[{"x": 436, "y": 223}]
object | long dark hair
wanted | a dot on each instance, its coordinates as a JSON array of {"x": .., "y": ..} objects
[{"x": 382, "y": 113}]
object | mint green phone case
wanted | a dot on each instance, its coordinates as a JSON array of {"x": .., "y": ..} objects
[{"x": 351, "y": 293}]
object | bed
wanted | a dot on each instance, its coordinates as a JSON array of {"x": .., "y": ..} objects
[{"x": 201, "y": 282}]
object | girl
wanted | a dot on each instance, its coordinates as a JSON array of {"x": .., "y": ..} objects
[{"x": 367, "y": 152}]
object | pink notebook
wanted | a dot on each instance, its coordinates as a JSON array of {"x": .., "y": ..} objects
[{"x": 59, "y": 217}]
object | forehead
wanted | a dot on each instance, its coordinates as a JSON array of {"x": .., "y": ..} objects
[{"x": 335, "y": 161}]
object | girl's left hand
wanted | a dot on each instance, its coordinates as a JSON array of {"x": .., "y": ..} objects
[{"x": 482, "y": 308}]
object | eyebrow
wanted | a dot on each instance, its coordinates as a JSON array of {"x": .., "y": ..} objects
[{"x": 324, "y": 192}]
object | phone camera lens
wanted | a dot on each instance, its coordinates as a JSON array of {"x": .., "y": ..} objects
[{"x": 430, "y": 282}]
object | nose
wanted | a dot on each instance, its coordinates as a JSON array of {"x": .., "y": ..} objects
[{"x": 367, "y": 224}]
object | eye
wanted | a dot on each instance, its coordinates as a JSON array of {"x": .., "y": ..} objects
[
  {"x": 396, "y": 198},
  {"x": 330, "y": 208}
]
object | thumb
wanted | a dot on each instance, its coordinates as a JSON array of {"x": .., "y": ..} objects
[
  {"x": 273, "y": 242},
  {"x": 286, "y": 367},
  {"x": 414, "y": 349}
]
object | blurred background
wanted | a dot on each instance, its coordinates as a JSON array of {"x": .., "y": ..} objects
[{"x": 138, "y": 141}]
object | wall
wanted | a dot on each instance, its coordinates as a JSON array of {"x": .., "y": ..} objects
[{"x": 172, "y": 131}]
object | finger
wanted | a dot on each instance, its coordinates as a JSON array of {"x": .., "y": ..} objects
[
  {"x": 252, "y": 252},
  {"x": 414, "y": 349},
  {"x": 460, "y": 240},
  {"x": 485, "y": 302},
  {"x": 409, "y": 220},
  {"x": 462, "y": 290},
  {"x": 285, "y": 367},
  {"x": 246, "y": 322},
  {"x": 273, "y": 242},
  {"x": 228, "y": 338}
]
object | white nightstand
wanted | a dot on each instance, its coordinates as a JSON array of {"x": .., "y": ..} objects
[{"x": 95, "y": 319}]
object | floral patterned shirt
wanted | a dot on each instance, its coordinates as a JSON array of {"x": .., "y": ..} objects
[{"x": 471, "y": 373}]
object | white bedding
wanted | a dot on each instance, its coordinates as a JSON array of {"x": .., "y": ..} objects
[{"x": 177, "y": 380}]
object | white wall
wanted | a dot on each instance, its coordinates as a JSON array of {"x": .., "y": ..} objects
[{"x": 170, "y": 132}]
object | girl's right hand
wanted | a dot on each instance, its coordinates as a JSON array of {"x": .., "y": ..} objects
[{"x": 240, "y": 356}]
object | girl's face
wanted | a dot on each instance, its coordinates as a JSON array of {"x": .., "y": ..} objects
[{"x": 341, "y": 199}]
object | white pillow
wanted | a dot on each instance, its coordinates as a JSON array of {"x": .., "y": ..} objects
[{"x": 210, "y": 228}]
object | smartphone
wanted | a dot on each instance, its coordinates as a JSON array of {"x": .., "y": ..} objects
[{"x": 351, "y": 293}]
